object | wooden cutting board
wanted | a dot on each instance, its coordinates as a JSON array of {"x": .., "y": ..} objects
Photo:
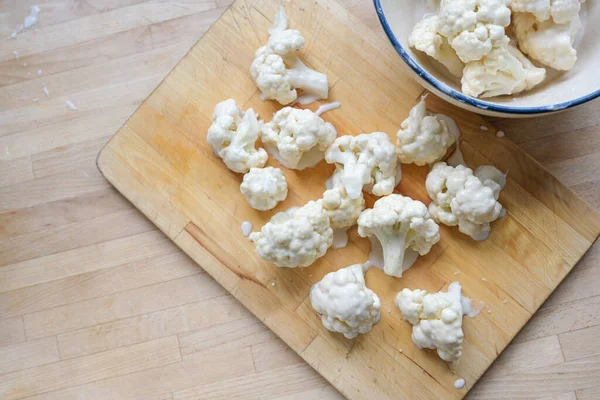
[{"x": 161, "y": 162}]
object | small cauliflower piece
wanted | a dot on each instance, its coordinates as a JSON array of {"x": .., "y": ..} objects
[
  {"x": 423, "y": 138},
  {"x": 366, "y": 160},
  {"x": 473, "y": 27},
  {"x": 278, "y": 72},
  {"x": 297, "y": 138},
  {"x": 343, "y": 211},
  {"x": 233, "y": 136},
  {"x": 436, "y": 319},
  {"x": 460, "y": 198},
  {"x": 344, "y": 302},
  {"x": 547, "y": 42},
  {"x": 504, "y": 71},
  {"x": 295, "y": 238},
  {"x": 425, "y": 37},
  {"x": 561, "y": 11},
  {"x": 263, "y": 188},
  {"x": 399, "y": 223}
]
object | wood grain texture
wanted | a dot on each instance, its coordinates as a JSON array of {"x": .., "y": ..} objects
[
  {"x": 45, "y": 141},
  {"x": 161, "y": 156}
]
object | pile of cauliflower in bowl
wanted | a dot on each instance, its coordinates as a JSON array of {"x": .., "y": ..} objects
[
  {"x": 490, "y": 44},
  {"x": 403, "y": 228}
]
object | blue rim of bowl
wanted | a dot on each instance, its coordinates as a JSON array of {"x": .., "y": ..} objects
[{"x": 448, "y": 91}]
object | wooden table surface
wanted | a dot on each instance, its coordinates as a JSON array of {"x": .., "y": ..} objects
[{"x": 95, "y": 303}]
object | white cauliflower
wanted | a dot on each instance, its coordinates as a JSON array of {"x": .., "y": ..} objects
[
  {"x": 504, "y": 71},
  {"x": 343, "y": 211},
  {"x": 473, "y": 27},
  {"x": 425, "y": 37},
  {"x": 233, "y": 135},
  {"x": 460, "y": 198},
  {"x": 345, "y": 303},
  {"x": 297, "y": 138},
  {"x": 295, "y": 238},
  {"x": 366, "y": 160},
  {"x": 263, "y": 188},
  {"x": 277, "y": 70},
  {"x": 423, "y": 138},
  {"x": 436, "y": 319},
  {"x": 547, "y": 42},
  {"x": 561, "y": 11},
  {"x": 399, "y": 223}
]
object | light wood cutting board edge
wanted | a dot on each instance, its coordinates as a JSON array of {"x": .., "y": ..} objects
[{"x": 502, "y": 155}]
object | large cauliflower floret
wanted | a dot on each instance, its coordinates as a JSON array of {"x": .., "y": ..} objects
[
  {"x": 277, "y": 70},
  {"x": 547, "y": 42},
  {"x": 460, "y": 198},
  {"x": 263, "y": 188},
  {"x": 399, "y": 223},
  {"x": 366, "y": 160},
  {"x": 561, "y": 11},
  {"x": 297, "y": 138},
  {"x": 473, "y": 27},
  {"x": 233, "y": 135},
  {"x": 423, "y": 138},
  {"x": 295, "y": 238},
  {"x": 425, "y": 37},
  {"x": 436, "y": 319},
  {"x": 504, "y": 71},
  {"x": 343, "y": 211},
  {"x": 345, "y": 303}
]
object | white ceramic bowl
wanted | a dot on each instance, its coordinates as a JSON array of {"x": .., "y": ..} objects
[{"x": 558, "y": 92}]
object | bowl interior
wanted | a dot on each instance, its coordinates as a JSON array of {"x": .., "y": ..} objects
[{"x": 559, "y": 90}]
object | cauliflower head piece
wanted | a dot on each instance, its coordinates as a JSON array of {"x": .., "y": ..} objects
[
  {"x": 473, "y": 27},
  {"x": 343, "y": 211},
  {"x": 263, "y": 188},
  {"x": 399, "y": 223},
  {"x": 367, "y": 160},
  {"x": 423, "y": 138},
  {"x": 504, "y": 71},
  {"x": 345, "y": 303},
  {"x": 461, "y": 198},
  {"x": 547, "y": 42},
  {"x": 426, "y": 38},
  {"x": 278, "y": 72},
  {"x": 233, "y": 135},
  {"x": 436, "y": 319},
  {"x": 560, "y": 11},
  {"x": 297, "y": 138},
  {"x": 295, "y": 238}
]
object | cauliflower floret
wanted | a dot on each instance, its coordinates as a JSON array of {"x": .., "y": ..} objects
[
  {"x": 436, "y": 319},
  {"x": 460, "y": 198},
  {"x": 425, "y": 37},
  {"x": 297, "y": 138},
  {"x": 343, "y": 211},
  {"x": 263, "y": 188},
  {"x": 345, "y": 303},
  {"x": 399, "y": 223},
  {"x": 504, "y": 71},
  {"x": 473, "y": 27},
  {"x": 561, "y": 11},
  {"x": 547, "y": 42},
  {"x": 423, "y": 138},
  {"x": 233, "y": 135},
  {"x": 366, "y": 160},
  {"x": 295, "y": 238},
  {"x": 278, "y": 72}
]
